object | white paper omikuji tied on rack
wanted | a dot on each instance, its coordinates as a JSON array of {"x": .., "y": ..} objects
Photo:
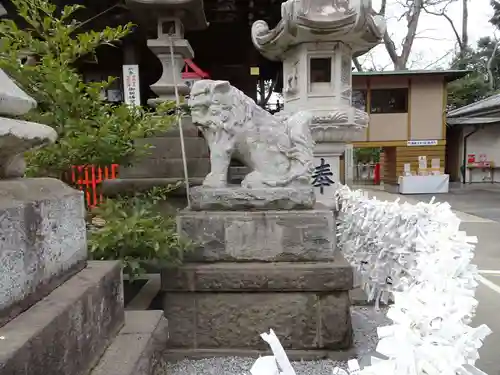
[
  {"x": 417, "y": 253},
  {"x": 265, "y": 366},
  {"x": 271, "y": 365}
]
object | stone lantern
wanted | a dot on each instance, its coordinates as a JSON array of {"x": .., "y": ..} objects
[
  {"x": 316, "y": 40},
  {"x": 172, "y": 18}
]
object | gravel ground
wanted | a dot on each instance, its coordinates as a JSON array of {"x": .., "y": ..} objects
[{"x": 365, "y": 320}]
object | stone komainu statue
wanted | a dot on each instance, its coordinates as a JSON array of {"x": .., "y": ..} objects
[{"x": 278, "y": 149}]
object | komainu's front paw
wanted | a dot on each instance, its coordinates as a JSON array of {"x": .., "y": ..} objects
[{"x": 215, "y": 180}]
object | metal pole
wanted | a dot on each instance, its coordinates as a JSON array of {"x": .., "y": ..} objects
[{"x": 179, "y": 120}]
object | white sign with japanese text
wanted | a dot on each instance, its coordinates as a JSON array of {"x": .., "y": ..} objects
[
  {"x": 424, "y": 142},
  {"x": 131, "y": 88}
]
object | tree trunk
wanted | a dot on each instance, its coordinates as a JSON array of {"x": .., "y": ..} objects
[{"x": 465, "y": 27}]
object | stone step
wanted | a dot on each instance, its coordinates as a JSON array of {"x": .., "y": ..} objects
[
  {"x": 130, "y": 186},
  {"x": 69, "y": 330},
  {"x": 260, "y": 277},
  {"x": 138, "y": 348},
  {"x": 167, "y": 168},
  {"x": 170, "y": 147},
  {"x": 188, "y": 129}
]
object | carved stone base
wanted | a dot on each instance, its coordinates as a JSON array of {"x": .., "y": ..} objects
[
  {"x": 259, "y": 236},
  {"x": 238, "y": 198}
]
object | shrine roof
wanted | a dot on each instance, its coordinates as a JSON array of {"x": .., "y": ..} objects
[{"x": 449, "y": 75}]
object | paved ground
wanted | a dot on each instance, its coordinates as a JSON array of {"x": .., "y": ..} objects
[
  {"x": 479, "y": 209},
  {"x": 474, "y": 199}
]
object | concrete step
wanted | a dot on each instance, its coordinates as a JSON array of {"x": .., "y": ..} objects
[
  {"x": 138, "y": 348},
  {"x": 130, "y": 186},
  {"x": 166, "y": 168},
  {"x": 170, "y": 147},
  {"x": 68, "y": 331},
  {"x": 188, "y": 129}
]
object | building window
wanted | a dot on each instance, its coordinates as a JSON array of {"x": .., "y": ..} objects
[
  {"x": 359, "y": 99},
  {"x": 321, "y": 70},
  {"x": 389, "y": 101}
]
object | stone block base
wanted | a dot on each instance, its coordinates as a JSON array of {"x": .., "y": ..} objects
[
  {"x": 302, "y": 320},
  {"x": 260, "y": 277},
  {"x": 237, "y": 198},
  {"x": 299, "y": 235},
  {"x": 226, "y": 306},
  {"x": 43, "y": 241},
  {"x": 68, "y": 331}
]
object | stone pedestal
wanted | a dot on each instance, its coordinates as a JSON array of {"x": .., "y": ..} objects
[
  {"x": 42, "y": 243},
  {"x": 258, "y": 269}
]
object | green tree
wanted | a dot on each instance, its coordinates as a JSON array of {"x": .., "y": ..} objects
[{"x": 475, "y": 86}]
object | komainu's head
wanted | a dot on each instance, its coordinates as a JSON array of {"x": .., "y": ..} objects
[{"x": 211, "y": 103}]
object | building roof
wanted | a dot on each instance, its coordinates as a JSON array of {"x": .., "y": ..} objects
[
  {"x": 491, "y": 103},
  {"x": 449, "y": 75},
  {"x": 482, "y": 112}
]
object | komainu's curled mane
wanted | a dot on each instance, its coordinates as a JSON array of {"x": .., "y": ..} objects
[{"x": 278, "y": 149}]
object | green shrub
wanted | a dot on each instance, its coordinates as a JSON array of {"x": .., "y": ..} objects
[{"x": 133, "y": 230}]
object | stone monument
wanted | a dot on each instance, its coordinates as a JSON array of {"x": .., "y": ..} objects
[
  {"x": 265, "y": 256},
  {"x": 316, "y": 40},
  {"x": 59, "y": 314}
]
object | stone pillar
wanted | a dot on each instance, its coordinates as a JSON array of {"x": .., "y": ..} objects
[{"x": 318, "y": 78}]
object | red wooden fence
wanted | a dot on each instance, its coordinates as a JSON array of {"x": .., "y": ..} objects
[{"x": 88, "y": 178}]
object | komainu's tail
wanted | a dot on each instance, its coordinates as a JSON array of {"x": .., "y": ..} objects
[{"x": 302, "y": 145}]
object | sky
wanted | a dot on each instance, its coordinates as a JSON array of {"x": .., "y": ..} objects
[{"x": 435, "y": 42}]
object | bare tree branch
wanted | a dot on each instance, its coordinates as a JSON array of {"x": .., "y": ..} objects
[
  {"x": 442, "y": 13},
  {"x": 465, "y": 24},
  {"x": 357, "y": 64},
  {"x": 445, "y": 56},
  {"x": 412, "y": 15}
]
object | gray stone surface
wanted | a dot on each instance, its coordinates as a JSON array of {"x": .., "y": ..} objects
[
  {"x": 166, "y": 167},
  {"x": 18, "y": 137},
  {"x": 42, "y": 240},
  {"x": 13, "y": 100},
  {"x": 303, "y": 321},
  {"x": 138, "y": 349},
  {"x": 307, "y": 235},
  {"x": 68, "y": 331},
  {"x": 255, "y": 277},
  {"x": 170, "y": 147},
  {"x": 130, "y": 186},
  {"x": 237, "y": 198}
]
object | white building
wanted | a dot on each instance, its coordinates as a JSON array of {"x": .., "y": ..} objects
[{"x": 473, "y": 140}]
